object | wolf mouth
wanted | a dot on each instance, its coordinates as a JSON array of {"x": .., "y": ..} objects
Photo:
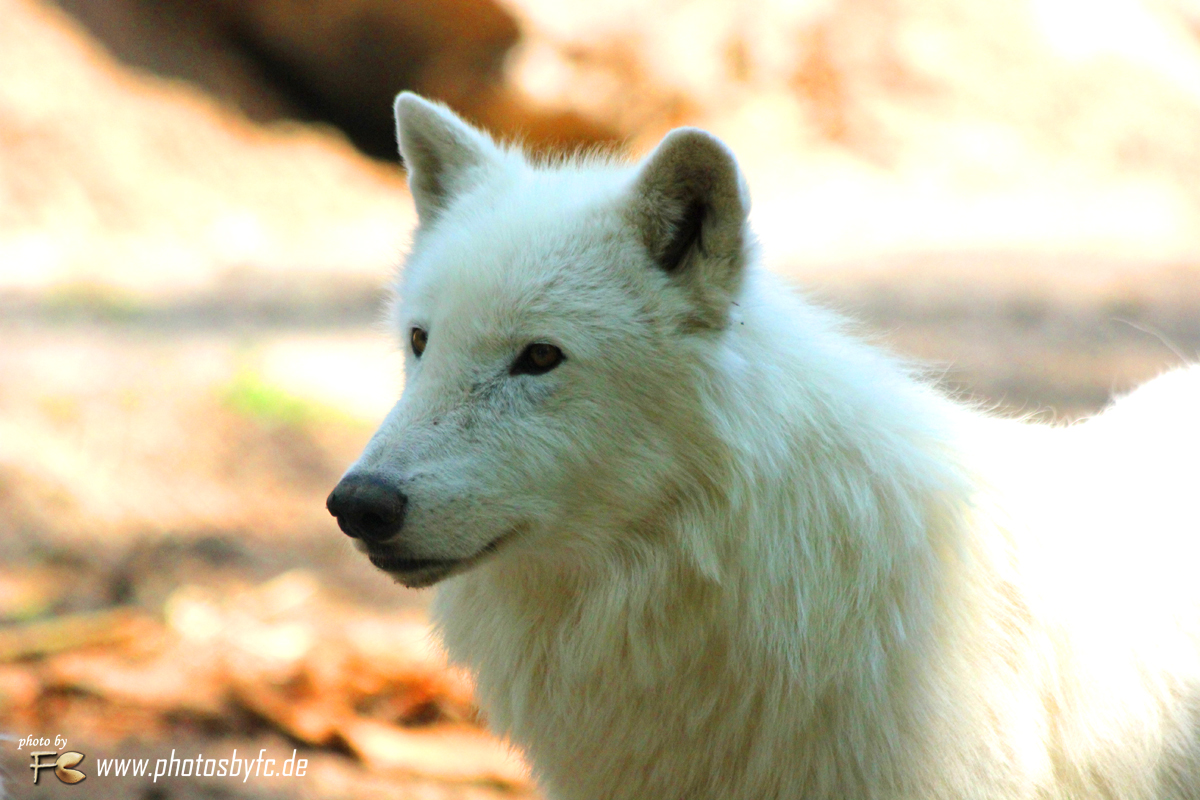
[
  {"x": 416, "y": 573},
  {"x": 393, "y": 563}
]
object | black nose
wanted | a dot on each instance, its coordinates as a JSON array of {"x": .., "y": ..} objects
[{"x": 367, "y": 507}]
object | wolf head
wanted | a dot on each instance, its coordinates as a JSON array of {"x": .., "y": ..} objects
[{"x": 557, "y": 320}]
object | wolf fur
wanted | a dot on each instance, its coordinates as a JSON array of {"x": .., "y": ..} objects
[{"x": 726, "y": 550}]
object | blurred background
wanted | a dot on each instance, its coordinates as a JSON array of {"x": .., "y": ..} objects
[{"x": 200, "y": 207}]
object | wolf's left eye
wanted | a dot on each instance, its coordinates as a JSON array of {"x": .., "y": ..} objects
[
  {"x": 419, "y": 339},
  {"x": 537, "y": 359}
]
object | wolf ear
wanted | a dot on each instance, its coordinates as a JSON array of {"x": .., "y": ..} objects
[
  {"x": 442, "y": 154},
  {"x": 690, "y": 206}
]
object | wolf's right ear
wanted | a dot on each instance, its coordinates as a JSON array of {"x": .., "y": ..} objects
[{"x": 442, "y": 154}]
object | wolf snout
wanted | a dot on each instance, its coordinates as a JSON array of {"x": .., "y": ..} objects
[{"x": 367, "y": 507}]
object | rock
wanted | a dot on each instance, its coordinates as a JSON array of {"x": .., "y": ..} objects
[{"x": 337, "y": 61}]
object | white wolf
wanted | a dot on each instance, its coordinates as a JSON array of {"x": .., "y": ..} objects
[{"x": 698, "y": 542}]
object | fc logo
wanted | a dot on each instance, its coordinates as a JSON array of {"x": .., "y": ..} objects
[{"x": 62, "y": 766}]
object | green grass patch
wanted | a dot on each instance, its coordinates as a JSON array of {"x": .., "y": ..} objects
[
  {"x": 250, "y": 396},
  {"x": 92, "y": 301}
]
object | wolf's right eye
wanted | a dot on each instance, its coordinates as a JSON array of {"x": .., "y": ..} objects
[{"x": 419, "y": 339}]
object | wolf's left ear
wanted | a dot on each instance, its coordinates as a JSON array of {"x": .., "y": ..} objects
[
  {"x": 442, "y": 154},
  {"x": 690, "y": 206}
]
